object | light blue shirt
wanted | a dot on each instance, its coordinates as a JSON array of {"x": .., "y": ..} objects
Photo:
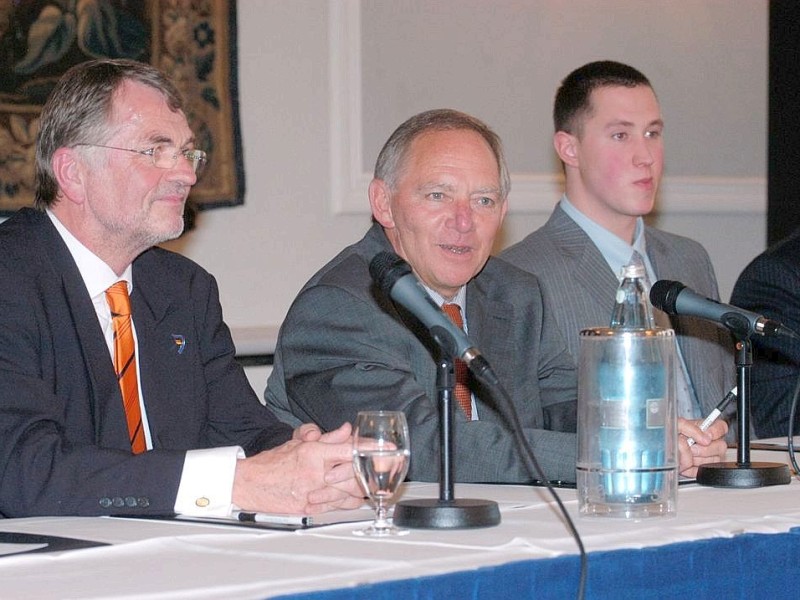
[
  {"x": 615, "y": 250},
  {"x": 618, "y": 253}
]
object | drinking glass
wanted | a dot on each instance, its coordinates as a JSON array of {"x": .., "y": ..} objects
[{"x": 380, "y": 458}]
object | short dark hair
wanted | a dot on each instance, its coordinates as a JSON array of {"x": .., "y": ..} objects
[
  {"x": 573, "y": 98},
  {"x": 78, "y": 108},
  {"x": 391, "y": 159}
]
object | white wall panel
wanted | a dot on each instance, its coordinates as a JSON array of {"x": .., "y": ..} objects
[{"x": 322, "y": 84}]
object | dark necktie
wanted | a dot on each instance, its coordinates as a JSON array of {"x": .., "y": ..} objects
[
  {"x": 125, "y": 362},
  {"x": 462, "y": 393}
]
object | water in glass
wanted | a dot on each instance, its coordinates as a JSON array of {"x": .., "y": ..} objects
[{"x": 380, "y": 458}]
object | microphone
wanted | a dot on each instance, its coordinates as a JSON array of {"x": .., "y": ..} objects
[
  {"x": 394, "y": 277},
  {"x": 674, "y": 298}
]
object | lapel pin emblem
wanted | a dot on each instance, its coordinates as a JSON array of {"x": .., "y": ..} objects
[{"x": 180, "y": 342}]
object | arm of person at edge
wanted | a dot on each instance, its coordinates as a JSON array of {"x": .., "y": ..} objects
[{"x": 709, "y": 447}]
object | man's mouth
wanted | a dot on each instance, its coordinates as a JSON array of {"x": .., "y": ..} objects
[{"x": 455, "y": 249}]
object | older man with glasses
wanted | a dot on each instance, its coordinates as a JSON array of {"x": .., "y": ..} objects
[{"x": 119, "y": 393}]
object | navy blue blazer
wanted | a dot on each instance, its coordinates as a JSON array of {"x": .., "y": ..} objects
[
  {"x": 64, "y": 445},
  {"x": 770, "y": 286}
]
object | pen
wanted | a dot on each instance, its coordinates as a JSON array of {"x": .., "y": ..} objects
[
  {"x": 714, "y": 414},
  {"x": 556, "y": 483},
  {"x": 272, "y": 519}
]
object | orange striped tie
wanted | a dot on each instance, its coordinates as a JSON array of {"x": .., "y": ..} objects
[
  {"x": 462, "y": 393},
  {"x": 125, "y": 362}
]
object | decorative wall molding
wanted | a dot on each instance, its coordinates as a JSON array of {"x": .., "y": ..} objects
[
  {"x": 532, "y": 193},
  {"x": 348, "y": 179},
  {"x": 713, "y": 195}
]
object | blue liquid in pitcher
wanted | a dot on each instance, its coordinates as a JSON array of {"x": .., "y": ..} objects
[{"x": 632, "y": 437}]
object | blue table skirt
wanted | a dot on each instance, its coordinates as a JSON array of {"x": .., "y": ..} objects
[{"x": 743, "y": 567}]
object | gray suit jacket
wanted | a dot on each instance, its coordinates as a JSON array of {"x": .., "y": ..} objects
[
  {"x": 578, "y": 288},
  {"x": 345, "y": 347}
]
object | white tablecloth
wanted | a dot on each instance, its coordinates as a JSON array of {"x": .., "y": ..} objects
[{"x": 168, "y": 559}]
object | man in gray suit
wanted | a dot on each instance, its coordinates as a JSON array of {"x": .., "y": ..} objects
[
  {"x": 438, "y": 199},
  {"x": 608, "y": 134}
]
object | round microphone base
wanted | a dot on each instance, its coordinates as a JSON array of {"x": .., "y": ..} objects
[
  {"x": 752, "y": 475},
  {"x": 429, "y": 513}
]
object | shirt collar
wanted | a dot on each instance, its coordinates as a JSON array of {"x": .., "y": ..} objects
[
  {"x": 616, "y": 252},
  {"x": 97, "y": 275},
  {"x": 460, "y": 298}
]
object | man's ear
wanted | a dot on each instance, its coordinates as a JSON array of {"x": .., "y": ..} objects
[
  {"x": 380, "y": 203},
  {"x": 566, "y": 146},
  {"x": 69, "y": 174}
]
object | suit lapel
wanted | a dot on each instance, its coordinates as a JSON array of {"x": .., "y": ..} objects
[
  {"x": 167, "y": 349},
  {"x": 691, "y": 350},
  {"x": 488, "y": 320},
  {"x": 105, "y": 400},
  {"x": 586, "y": 265},
  {"x": 660, "y": 256},
  {"x": 661, "y": 259}
]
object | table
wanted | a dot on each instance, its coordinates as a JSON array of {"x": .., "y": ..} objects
[{"x": 724, "y": 543}]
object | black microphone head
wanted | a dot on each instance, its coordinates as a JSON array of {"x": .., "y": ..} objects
[
  {"x": 386, "y": 268},
  {"x": 664, "y": 295}
]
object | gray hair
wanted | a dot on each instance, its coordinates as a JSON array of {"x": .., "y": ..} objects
[
  {"x": 391, "y": 160},
  {"x": 78, "y": 109}
]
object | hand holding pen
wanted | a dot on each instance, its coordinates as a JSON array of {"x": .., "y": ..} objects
[{"x": 715, "y": 414}]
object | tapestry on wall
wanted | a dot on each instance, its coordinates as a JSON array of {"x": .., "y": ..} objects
[{"x": 193, "y": 42}]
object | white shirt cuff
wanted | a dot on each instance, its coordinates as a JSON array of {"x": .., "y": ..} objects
[{"x": 206, "y": 484}]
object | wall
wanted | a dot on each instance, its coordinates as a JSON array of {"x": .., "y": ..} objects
[{"x": 322, "y": 84}]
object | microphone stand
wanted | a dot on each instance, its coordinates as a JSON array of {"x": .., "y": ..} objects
[
  {"x": 743, "y": 473},
  {"x": 446, "y": 512}
]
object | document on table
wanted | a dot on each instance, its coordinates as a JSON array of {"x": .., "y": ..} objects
[
  {"x": 778, "y": 443},
  {"x": 19, "y": 543}
]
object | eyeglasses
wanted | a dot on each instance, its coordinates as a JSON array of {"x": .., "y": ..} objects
[{"x": 165, "y": 157}]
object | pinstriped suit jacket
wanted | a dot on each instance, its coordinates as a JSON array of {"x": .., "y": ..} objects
[{"x": 578, "y": 288}]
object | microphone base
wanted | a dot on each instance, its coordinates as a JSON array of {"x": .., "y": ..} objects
[
  {"x": 429, "y": 513},
  {"x": 750, "y": 475}
]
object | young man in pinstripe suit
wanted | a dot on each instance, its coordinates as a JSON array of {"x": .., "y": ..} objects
[{"x": 608, "y": 135}]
